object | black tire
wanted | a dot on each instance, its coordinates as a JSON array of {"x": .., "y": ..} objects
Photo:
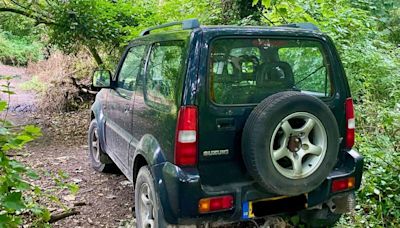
[
  {"x": 257, "y": 139},
  {"x": 319, "y": 218},
  {"x": 145, "y": 180},
  {"x": 99, "y": 160}
]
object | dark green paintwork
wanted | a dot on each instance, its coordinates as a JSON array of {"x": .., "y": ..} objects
[{"x": 153, "y": 131}]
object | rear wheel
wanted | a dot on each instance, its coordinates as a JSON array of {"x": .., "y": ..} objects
[
  {"x": 147, "y": 204},
  {"x": 99, "y": 160}
]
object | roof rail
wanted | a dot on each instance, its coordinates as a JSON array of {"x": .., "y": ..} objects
[
  {"x": 304, "y": 25},
  {"x": 186, "y": 24}
]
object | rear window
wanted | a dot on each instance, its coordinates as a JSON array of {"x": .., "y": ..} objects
[{"x": 245, "y": 71}]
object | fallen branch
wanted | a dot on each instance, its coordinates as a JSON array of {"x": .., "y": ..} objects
[
  {"x": 81, "y": 87},
  {"x": 79, "y": 204},
  {"x": 15, "y": 155},
  {"x": 86, "y": 191},
  {"x": 59, "y": 216}
]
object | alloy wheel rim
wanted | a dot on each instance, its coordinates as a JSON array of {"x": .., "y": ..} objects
[
  {"x": 299, "y": 145},
  {"x": 95, "y": 146},
  {"x": 146, "y": 203}
]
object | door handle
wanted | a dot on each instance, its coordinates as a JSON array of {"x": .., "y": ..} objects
[{"x": 225, "y": 123}]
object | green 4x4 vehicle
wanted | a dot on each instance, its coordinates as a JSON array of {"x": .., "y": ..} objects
[{"x": 225, "y": 123}]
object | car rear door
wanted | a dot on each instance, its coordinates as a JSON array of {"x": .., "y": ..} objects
[
  {"x": 220, "y": 125},
  {"x": 240, "y": 73}
]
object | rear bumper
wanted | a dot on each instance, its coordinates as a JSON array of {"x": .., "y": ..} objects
[{"x": 180, "y": 191}]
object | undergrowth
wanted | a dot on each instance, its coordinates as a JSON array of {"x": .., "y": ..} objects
[
  {"x": 59, "y": 81},
  {"x": 19, "y": 50},
  {"x": 35, "y": 84},
  {"x": 369, "y": 46},
  {"x": 22, "y": 203}
]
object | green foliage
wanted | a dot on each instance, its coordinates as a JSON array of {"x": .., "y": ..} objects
[
  {"x": 18, "y": 25},
  {"x": 19, "y": 40},
  {"x": 366, "y": 36},
  {"x": 93, "y": 23},
  {"x": 18, "y": 196},
  {"x": 19, "y": 50},
  {"x": 104, "y": 25},
  {"x": 366, "y": 32},
  {"x": 391, "y": 25},
  {"x": 14, "y": 176}
]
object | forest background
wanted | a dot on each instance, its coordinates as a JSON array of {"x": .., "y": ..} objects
[{"x": 61, "y": 42}]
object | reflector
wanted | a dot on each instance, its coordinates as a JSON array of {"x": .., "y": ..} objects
[
  {"x": 215, "y": 204},
  {"x": 343, "y": 184}
]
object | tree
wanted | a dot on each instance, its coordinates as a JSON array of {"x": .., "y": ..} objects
[{"x": 100, "y": 24}]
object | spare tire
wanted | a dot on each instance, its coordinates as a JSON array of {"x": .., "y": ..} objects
[{"x": 290, "y": 143}]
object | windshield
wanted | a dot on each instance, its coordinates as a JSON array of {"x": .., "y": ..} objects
[{"x": 245, "y": 71}]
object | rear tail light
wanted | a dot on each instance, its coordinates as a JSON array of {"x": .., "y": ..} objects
[
  {"x": 186, "y": 137},
  {"x": 343, "y": 184},
  {"x": 214, "y": 204},
  {"x": 350, "y": 123}
]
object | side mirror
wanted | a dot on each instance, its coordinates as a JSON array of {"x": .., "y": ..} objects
[{"x": 101, "y": 79}]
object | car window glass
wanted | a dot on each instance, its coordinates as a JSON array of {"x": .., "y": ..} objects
[
  {"x": 247, "y": 70},
  {"x": 308, "y": 67},
  {"x": 130, "y": 68},
  {"x": 163, "y": 71}
]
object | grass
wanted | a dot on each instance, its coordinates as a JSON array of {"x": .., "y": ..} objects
[{"x": 33, "y": 85}]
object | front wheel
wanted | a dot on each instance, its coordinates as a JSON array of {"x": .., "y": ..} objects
[
  {"x": 98, "y": 158},
  {"x": 147, "y": 204}
]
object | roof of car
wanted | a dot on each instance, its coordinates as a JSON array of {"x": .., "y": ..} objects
[
  {"x": 299, "y": 29},
  {"x": 261, "y": 29}
]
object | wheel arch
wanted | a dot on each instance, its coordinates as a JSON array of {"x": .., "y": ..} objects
[
  {"x": 138, "y": 163},
  {"x": 92, "y": 115},
  {"x": 148, "y": 152}
]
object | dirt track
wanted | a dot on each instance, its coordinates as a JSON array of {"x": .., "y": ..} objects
[{"x": 105, "y": 199}]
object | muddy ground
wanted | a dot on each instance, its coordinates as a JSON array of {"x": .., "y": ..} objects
[{"x": 103, "y": 200}]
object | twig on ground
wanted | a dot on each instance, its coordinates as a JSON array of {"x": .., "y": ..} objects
[
  {"x": 59, "y": 216},
  {"x": 78, "y": 204}
]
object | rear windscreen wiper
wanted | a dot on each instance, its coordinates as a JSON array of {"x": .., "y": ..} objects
[{"x": 315, "y": 71}]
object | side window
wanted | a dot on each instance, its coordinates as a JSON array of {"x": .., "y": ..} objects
[
  {"x": 165, "y": 65},
  {"x": 130, "y": 68}
]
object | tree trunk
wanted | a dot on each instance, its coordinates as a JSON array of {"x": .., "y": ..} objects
[
  {"x": 246, "y": 9},
  {"x": 238, "y": 9},
  {"x": 95, "y": 55}
]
